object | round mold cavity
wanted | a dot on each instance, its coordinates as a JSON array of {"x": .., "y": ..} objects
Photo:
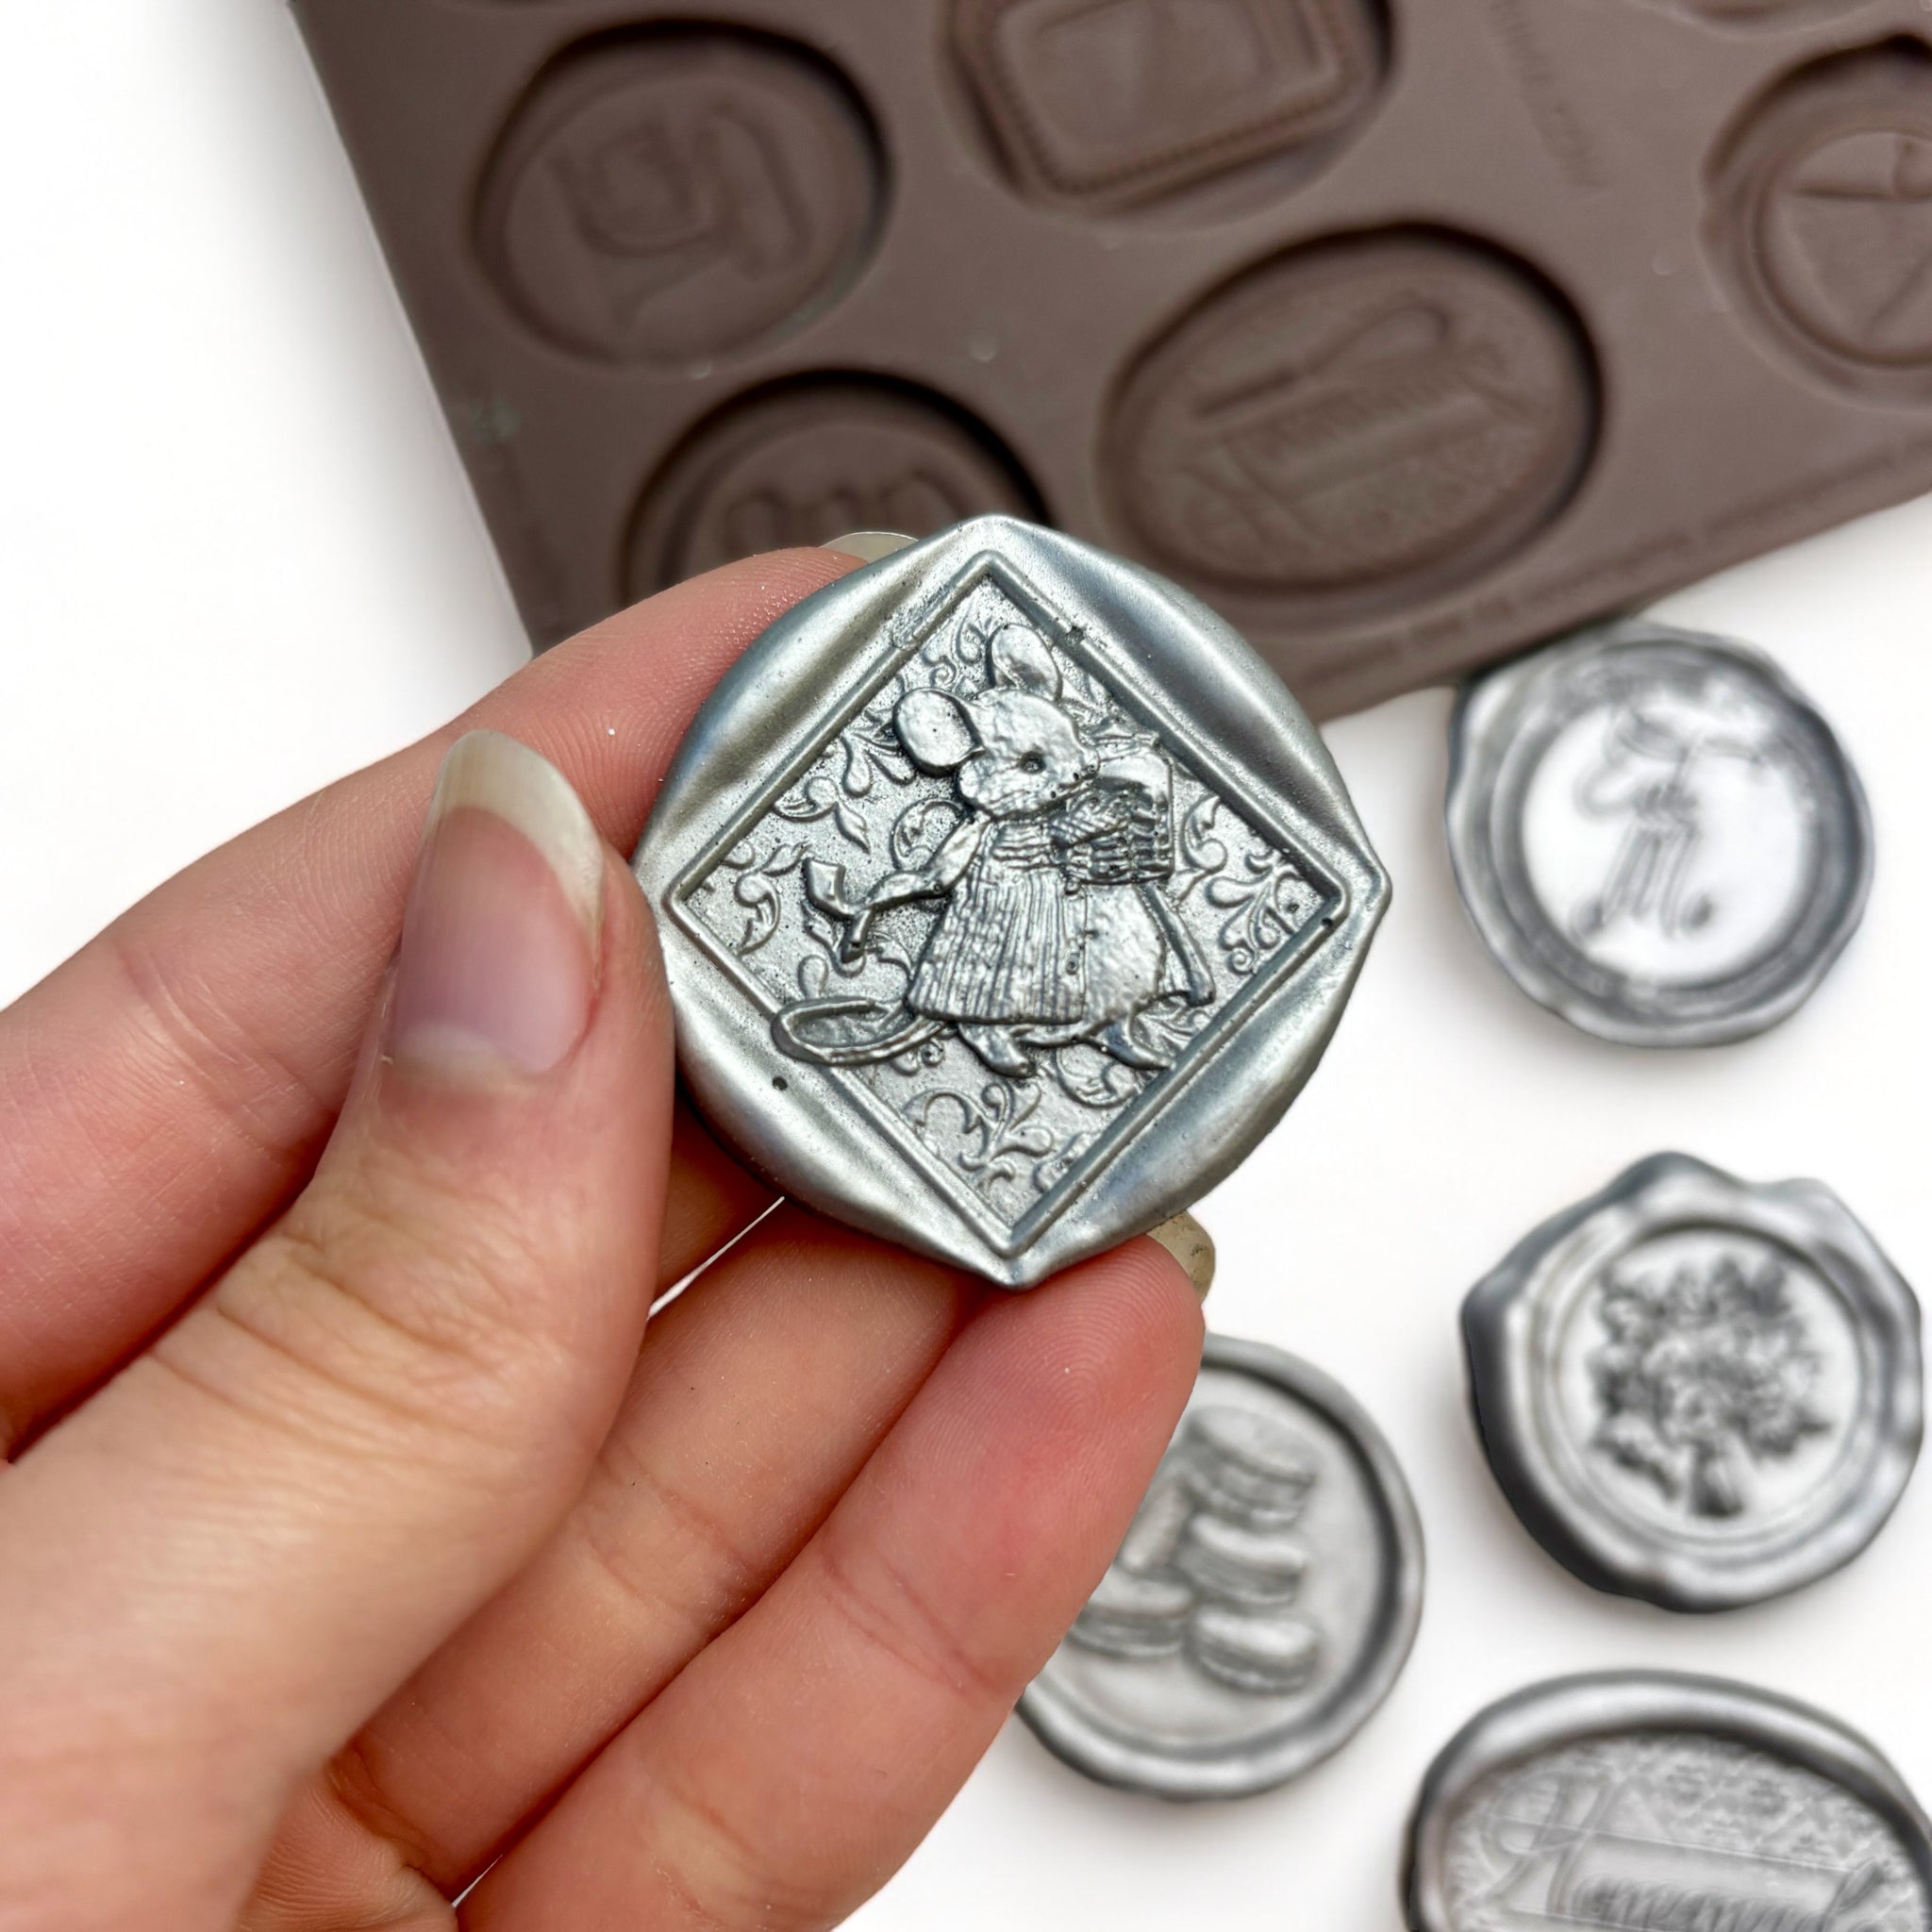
[
  {"x": 1182, "y": 109},
  {"x": 1353, "y": 426},
  {"x": 806, "y": 461},
  {"x": 1821, "y": 218},
  {"x": 669, "y": 194}
]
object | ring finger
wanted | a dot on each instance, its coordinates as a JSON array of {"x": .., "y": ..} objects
[{"x": 757, "y": 1399}]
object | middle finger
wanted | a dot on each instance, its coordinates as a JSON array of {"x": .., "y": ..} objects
[
  {"x": 168, "y": 1089},
  {"x": 756, "y": 1400}
]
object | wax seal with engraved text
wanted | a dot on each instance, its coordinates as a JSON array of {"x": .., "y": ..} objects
[
  {"x": 1633, "y": 1800},
  {"x": 1264, "y": 1603},
  {"x": 1697, "y": 1390},
  {"x": 1007, "y": 899},
  {"x": 1657, "y": 836}
]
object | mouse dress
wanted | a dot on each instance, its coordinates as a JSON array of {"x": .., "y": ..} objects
[
  {"x": 1055, "y": 918},
  {"x": 1008, "y": 946}
]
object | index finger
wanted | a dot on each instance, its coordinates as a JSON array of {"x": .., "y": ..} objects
[{"x": 169, "y": 1088}]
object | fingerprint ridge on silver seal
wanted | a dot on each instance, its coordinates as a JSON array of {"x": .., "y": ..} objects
[
  {"x": 1697, "y": 1390},
  {"x": 1633, "y": 1800},
  {"x": 1260, "y": 1607},
  {"x": 1656, "y": 834},
  {"x": 1007, "y": 899}
]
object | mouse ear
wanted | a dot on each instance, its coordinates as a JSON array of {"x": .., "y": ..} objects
[
  {"x": 935, "y": 729},
  {"x": 1021, "y": 659}
]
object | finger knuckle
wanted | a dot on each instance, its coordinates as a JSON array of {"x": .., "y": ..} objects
[
  {"x": 445, "y": 1274},
  {"x": 891, "y": 1616},
  {"x": 719, "y": 1875},
  {"x": 667, "y": 1552},
  {"x": 354, "y": 1328},
  {"x": 261, "y": 1099}
]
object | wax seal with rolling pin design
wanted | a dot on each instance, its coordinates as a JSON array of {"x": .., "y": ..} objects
[{"x": 1008, "y": 900}]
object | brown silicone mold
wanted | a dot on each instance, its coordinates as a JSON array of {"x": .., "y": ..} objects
[
  {"x": 1099, "y": 107},
  {"x": 1407, "y": 333},
  {"x": 1822, "y": 217},
  {"x": 1745, "y": 12},
  {"x": 670, "y": 194},
  {"x": 806, "y": 461}
]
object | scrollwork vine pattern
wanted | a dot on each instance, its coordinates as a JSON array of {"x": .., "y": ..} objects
[{"x": 1095, "y": 933}]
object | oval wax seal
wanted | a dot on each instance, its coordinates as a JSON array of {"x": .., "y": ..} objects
[{"x": 1648, "y": 1802}]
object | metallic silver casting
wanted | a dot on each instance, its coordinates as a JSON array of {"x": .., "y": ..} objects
[
  {"x": 1264, "y": 1603},
  {"x": 1638, "y": 1800},
  {"x": 1697, "y": 1391},
  {"x": 1008, "y": 900},
  {"x": 1657, "y": 836}
]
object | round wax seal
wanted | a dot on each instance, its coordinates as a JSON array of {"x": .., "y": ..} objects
[
  {"x": 1695, "y": 1390},
  {"x": 1007, "y": 900},
  {"x": 1637, "y": 1800},
  {"x": 1656, "y": 835},
  {"x": 1254, "y": 1650}
]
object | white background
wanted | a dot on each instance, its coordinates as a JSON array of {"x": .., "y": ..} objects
[{"x": 240, "y": 558}]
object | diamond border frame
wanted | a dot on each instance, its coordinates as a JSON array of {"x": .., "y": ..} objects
[{"x": 1163, "y": 655}]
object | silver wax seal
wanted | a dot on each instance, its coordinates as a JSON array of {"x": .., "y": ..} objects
[
  {"x": 1007, "y": 899},
  {"x": 1646, "y": 1802},
  {"x": 1656, "y": 835},
  {"x": 1264, "y": 1603},
  {"x": 1695, "y": 1390}
]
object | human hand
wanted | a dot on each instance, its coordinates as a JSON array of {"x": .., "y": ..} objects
[{"x": 356, "y": 1536}]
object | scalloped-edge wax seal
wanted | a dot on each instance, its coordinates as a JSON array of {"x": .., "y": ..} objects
[{"x": 1695, "y": 1390}]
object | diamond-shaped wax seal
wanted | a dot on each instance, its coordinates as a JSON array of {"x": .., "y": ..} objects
[{"x": 1008, "y": 900}]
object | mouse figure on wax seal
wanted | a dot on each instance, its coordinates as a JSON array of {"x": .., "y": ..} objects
[
  {"x": 1056, "y": 929},
  {"x": 1007, "y": 899}
]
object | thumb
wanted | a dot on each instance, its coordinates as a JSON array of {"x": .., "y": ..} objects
[{"x": 222, "y": 1563}]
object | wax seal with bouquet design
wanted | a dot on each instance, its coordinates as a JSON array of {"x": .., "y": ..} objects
[
  {"x": 1697, "y": 1391},
  {"x": 1649, "y": 1802},
  {"x": 1264, "y": 1603},
  {"x": 1657, "y": 836},
  {"x": 1007, "y": 898}
]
